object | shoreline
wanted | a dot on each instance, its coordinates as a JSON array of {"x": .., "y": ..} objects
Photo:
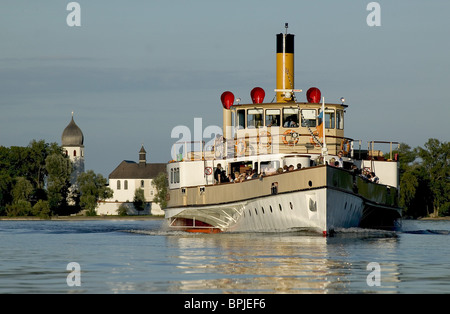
[
  {"x": 144, "y": 217},
  {"x": 105, "y": 217}
]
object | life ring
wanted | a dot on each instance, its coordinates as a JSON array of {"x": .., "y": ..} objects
[
  {"x": 268, "y": 136},
  {"x": 294, "y": 137},
  {"x": 240, "y": 147},
  {"x": 208, "y": 171},
  {"x": 312, "y": 140},
  {"x": 345, "y": 146}
]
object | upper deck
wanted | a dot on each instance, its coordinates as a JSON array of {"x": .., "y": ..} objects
[{"x": 286, "y": 128}]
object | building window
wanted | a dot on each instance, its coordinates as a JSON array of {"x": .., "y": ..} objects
[
  {"x": 74, "y": 153},
  {"x": 142, "y": 183},
  {"x": 125, "y": 185},
  {"x": 67, "y": 153},
  {"x": 118, "y": 184}
]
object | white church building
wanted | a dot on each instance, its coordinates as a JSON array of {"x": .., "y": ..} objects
[{"x": 125, "y": 179}]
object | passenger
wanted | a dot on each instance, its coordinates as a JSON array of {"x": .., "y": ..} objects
[
  {"x": 236, "y": 177},
  {"x": 280, "y": 170},
  {"x": 254, "y": 174},
  {"x": 332, "y": 162},
  {"x": 374, "y": 178},
  {"x": 365, "y": 174},
  {"x": 285, "y": 168},
  {"x": 291, "y": 168},
  {"x": 355, "y": 170},
  {"x": 224, "y": 177},
  {"x": 340, "y": 160},
  {"x": 218, "y": 173},
  {"x": 230, "y": 178},
  {"x": 299, "y": 166}
]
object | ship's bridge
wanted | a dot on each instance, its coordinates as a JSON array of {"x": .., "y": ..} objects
[{"x": 298, "y": 128}]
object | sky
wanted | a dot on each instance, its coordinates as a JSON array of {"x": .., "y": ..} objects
[{"x": 135, "y": 70}]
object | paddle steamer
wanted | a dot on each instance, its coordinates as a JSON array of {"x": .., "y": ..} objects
[{"x": 241, "y": 184}]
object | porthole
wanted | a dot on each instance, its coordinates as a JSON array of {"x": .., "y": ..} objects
[{"x": 310, "y": 183}]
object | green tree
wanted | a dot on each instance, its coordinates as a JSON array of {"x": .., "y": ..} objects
[
  {"x": 139, "y": 200},
  {"x": 22, "y": 189},
  {"x": 161, "y": 184},
  {"x": 41, "y": 209},
  {"x": 122, "y": 210},
  {"x": 93, "y": 189},
  {"x": 21, "y": 193},
  {"x": 435, "y": 168},
  {"x": 59, "y": 169}
]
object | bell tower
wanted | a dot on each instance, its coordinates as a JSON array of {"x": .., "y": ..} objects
[{"x": 72, "y": 142}]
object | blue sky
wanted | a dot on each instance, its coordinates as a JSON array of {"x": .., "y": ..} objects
[{"x": 136, "y": 69}]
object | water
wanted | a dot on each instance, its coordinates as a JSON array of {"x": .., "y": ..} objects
[{"x": 141, "y": 256}]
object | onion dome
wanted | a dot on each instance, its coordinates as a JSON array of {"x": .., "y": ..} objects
[{"x": 72, "y": 135}]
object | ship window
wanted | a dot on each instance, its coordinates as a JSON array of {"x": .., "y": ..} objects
[
  {"x": 262, "y": 208},
  {"x": 177, "y": 175},
  {"x": 340, "y": 119},
  {"x": 118, "y": 184},
  {"x": 280, "y": 207},
  {"x": 329, "y": 119},
  {"x": 309, "y": 116},
  {"x": 270, "y": 207},
  {"x": 290, "y": 117},
  {"x": 273, "y": 117},
  {"x": 240, "y": 119},
  {"x": 254, "y": 118}
]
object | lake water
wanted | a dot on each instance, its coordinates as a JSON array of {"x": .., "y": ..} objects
[{"x": 142, "y": 256}]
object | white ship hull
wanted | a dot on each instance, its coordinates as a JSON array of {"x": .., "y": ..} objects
[{"x": 321, "y": 210}]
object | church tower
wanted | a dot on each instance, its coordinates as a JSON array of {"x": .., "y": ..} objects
[{"x": 72, "y": 140}]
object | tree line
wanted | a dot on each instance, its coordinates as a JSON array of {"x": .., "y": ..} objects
[
  {"x": 425, "y": 179},
  {"x": 36, "y": 181}
]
